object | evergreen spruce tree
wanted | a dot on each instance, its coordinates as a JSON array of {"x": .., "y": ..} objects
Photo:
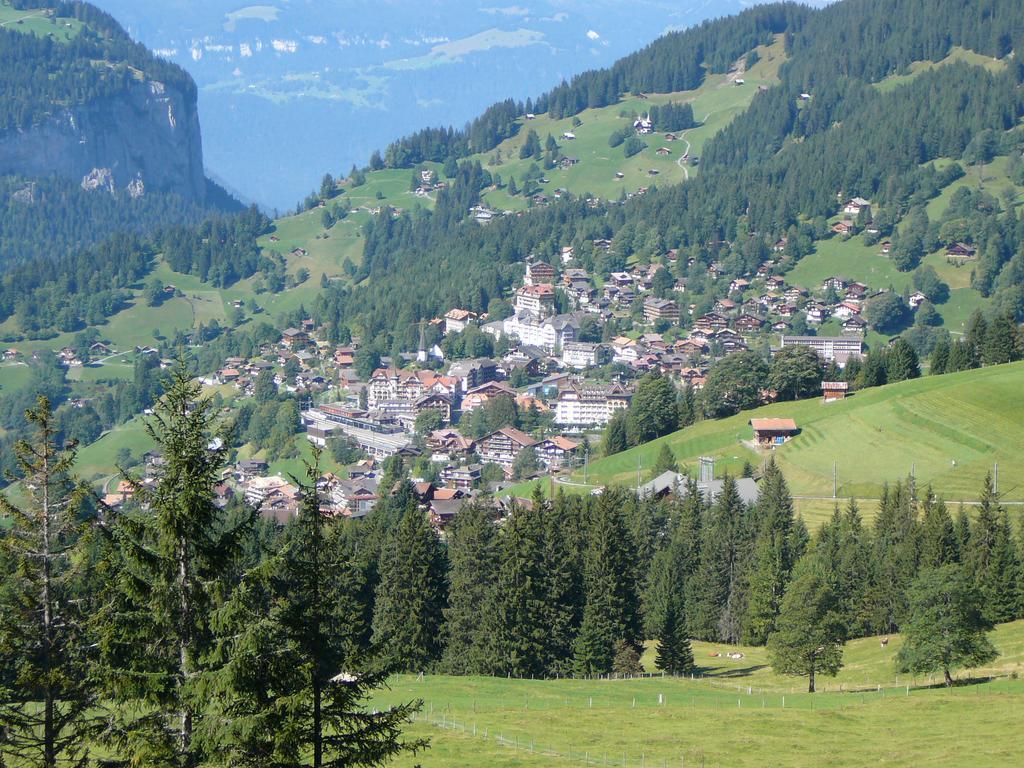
[
  {"x": 615, "y": 440},
  {"x": 563, "y": 584},
  {"x": 947, "y": 626},
  {"x": 674, "y": 654},
  {"x": 974, "y": 337},
  {"x": 901, "y": 362},
  {"x": 963, "y": 534},
  {"x": 173, "y": 562},
  {"x": 48, "y": 702},
  {"x": 987, "y": 554},
  {"x": 687, "y": 407},
  {"x": 940, "y": 357},
  {"x": 895, "y": 556},
  {"x": 410, "y": 600},
  {"x": 473, "y": 558},
  {"x": 938, "y": 534},
  {"x": 772, "y": 559},
  {"x": 717, "y": 596},
  {"x": 961, "y": 357},
  {"x": 610, "y": 612},
  {"x": 666, "y": 461},
  {"x": 1000, "y": 587},
  {"x": 809, "y": 634},
  {"x": 1001, "y": 344},
  {"x": 674, "y": 564},
  {"x": 521, "y": 612},
  {"x": 295, "y": 684}
]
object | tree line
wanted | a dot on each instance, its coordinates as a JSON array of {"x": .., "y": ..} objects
[{"x": 183, "y": 633}]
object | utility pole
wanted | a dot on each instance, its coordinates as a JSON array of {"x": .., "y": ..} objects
[
  {"x": 995, "y": 477},
  {"x": 835, "y": 484}
]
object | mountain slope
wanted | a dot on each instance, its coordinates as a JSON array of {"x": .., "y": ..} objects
[{"x": 949, "y": 430}]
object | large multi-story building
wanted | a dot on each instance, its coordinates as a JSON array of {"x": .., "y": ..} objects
[
  {"x": 548, "y": 334},
  {"x": 376, "y": 437},
  {"x": 829, "y": 348},
  {"x": 503, "y": 446},
  {"x": 390, "y": 384},
  {"x": 539, "y": 273},
  {"x": 661, "y": 309},
  {"x": 588, "y": 405},
  {"x": 538, "y": 300}
]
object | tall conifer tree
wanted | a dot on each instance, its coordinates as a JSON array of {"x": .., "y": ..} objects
[
  {"x": 173, "y": 561},
  {"x": 473, "y": 557},
  {"x": 610, "y": 614},
  {"x": 296, "y": 680},
  {"x": 772, "y": 558},
  {"x": 410, "y": 599},
  {"x": 45, "y": 639}
]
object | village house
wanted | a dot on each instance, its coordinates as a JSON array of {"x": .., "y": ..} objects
[
  {"x": 473, "y": 372},
  {"x": 539, "y": 273},
  {"x": 581, "y": 354},
  {"x": 556, "y": 452},
  {"x": 448, "y": 444},
  {"x": 772, "y": 432},
  {"x": 854, "y": 206},
  {"x": 463, "y": 478},
  {"x": 834, "y": 390},
  {"x": 456, "y": 320},
  {"x": 854, "y": 326},
  {"x": 958, "y": 253},
  {"x": 661, "y": 309},
  {"x": 844, "y": 228},
  {"x": 294, "y": 338},
  {"x": 916, "y": 299},
  {"x": 479, "y": 396}
]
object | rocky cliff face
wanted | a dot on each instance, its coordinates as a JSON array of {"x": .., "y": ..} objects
[{"x": 144, "y": 139}]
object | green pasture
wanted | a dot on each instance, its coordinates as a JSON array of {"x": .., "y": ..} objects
[
  {"x": 949, "y": 430},
  {"x": 956, "y": 53},
  {"x": 733, "y": 713},
  {"x": 39, "y": 22}
]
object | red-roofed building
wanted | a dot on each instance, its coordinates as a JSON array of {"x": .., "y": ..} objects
[{"x": 771, "y": 432}]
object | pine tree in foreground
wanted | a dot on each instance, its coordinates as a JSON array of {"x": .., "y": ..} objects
[
  {"x": 295, "y": 686},
  {"x": 44, "y": 639},
  {"x": 172, "y": 560},
  {"x": 947, "y": 627}
]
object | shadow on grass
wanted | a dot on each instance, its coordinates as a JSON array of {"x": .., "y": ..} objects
[{"x": 718, "y": 672}]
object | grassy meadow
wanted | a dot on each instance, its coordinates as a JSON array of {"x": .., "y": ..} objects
[
  {"x": 39, "y": 22},
  {"x": 734, "y": 713}
]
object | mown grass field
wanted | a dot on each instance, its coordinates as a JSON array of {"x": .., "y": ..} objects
[
  {"x": 737, "y": 713},
  {"x": 38, "y": 22},
  {"x": 949, "y": 430}
]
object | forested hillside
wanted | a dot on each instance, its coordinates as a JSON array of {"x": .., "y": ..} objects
[{"x": 824, "y": 133}]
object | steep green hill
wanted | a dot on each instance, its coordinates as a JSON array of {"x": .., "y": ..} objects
[{"x": 949, "y": 430}]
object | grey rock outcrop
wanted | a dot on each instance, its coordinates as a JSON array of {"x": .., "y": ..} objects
[{"x": 146, "y": 138}]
